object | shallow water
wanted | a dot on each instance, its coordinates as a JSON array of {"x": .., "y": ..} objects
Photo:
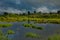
[{"x": 49, "y": 29}]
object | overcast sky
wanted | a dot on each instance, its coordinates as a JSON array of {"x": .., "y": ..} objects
[{"x": 24, "y": 5}]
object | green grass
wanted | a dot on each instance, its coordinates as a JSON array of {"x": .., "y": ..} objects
[
  {"x": 29, "y": 25},
  {"x": 32, "y": 35},
  {"x": 5, "y": 25},
  {"x": 2, "y": 36},
  {"x": 10, "y": 32},
  {"x": 32, "y": 26},
  {"x": 54, "y": 37},
  {"x": 38, "y": 18},
  {"x": 40, "y": 28}
]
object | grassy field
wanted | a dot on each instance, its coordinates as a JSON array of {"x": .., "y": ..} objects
[{"x": 37, "y": 18}]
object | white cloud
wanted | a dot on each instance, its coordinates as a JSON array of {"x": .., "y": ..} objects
[
  {"x": 43, "y": 9},
  {"x": 46, "y": 10},
  {"x": 54, "y": 10},
  {"x": 12, "y": 10},
  {"x": 24, "y": 10},
  {"x": 33, "y": 8}
]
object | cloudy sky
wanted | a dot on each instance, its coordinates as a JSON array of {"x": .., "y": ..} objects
[{"x": 31, "y": 5}]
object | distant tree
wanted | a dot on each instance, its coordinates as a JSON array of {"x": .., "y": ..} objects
[
  {"x": 5, "y": 13},
  {"x": 23, "y": 14},
  {"x": 39, "y": 12},
  {"x": 28, "y": 16},
  {"x": 34, "y": 11},
  {"x": 50, "y": 13},
  {"x": 28, "y": 12},
  {"x": 58, "y": 12}
]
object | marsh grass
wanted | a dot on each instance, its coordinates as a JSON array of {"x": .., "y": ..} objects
[
  {"x": 49, "y": 20},
  {"x": 2, "y": 36},
  {"x": 5, "y": 25},
  {"x": 32, "y": 35},
  {"x": 40, "y": 28},
  {"x": 29, "y": 25},
  {"x": 38, "y": 18},
  {"x": 54, "y": 37},
  {"x": 32, "y": 26},
  {"x": 10, "y": 32}
]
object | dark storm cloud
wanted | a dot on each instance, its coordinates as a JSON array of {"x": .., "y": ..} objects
[
  {"x": 39, "y": 5},
  {"x": 43, "y": 2}
]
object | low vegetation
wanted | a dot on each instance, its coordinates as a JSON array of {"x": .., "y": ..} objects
[
  {"x": 54, "y": 37},
  {"x": 4, "y": 36},
  {"x": 32, "y": 35},
  {"x": 10, "y": 32},
  {"x": 27, "y": 25},
  {"x": 37, "y": 17},
  {"x": 33, "y": 26},
  {"x": 5, "y": 25}
]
